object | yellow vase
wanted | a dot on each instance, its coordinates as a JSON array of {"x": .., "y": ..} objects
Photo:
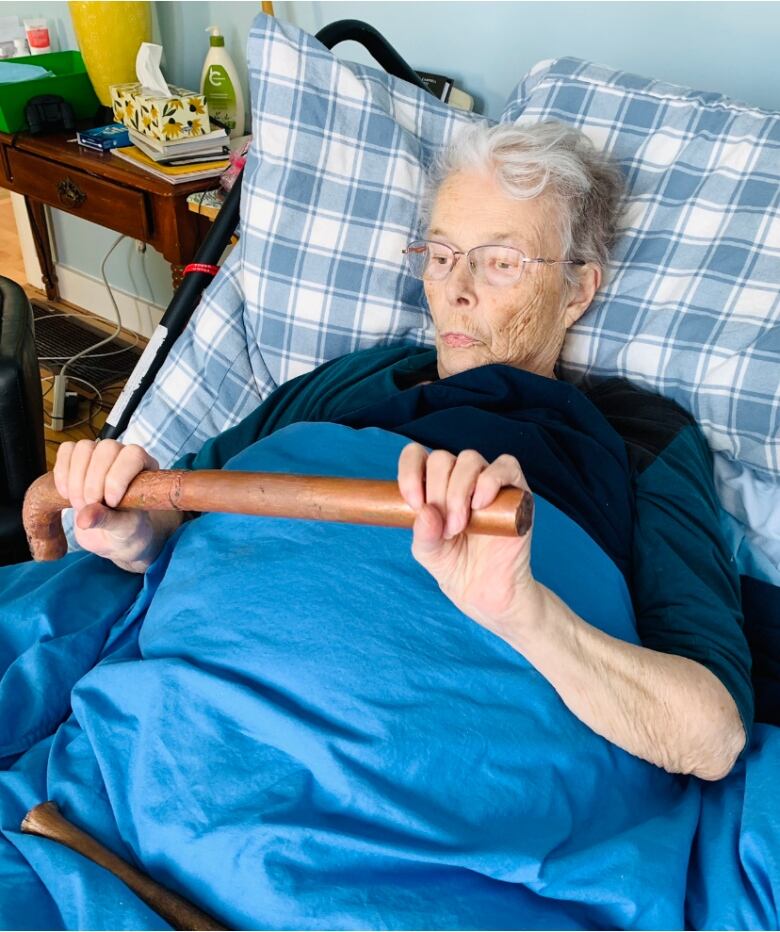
[{"x": 109, "y": 34}]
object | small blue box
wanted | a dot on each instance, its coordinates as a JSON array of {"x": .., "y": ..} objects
[{"x": 103, "y": 138}]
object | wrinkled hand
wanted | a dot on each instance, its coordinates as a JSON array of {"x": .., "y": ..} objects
[
  {"x": 94, "y": 477},
  {"x": 489, "y": 578}
]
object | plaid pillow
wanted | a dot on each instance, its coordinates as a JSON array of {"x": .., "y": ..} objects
[
  {"x": 330, "y": 197},
  {"x": 692, "y": 305}
]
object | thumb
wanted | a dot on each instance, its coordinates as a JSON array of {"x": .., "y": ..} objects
[
  {"x": 428, "y": 543},
  {"x": 121, "y": 525}
]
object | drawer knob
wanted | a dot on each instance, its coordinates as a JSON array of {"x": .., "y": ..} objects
[{"x": 70, "y": 193}]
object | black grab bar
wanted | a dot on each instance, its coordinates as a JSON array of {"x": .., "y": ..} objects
[{"x": 355, "y": 30}]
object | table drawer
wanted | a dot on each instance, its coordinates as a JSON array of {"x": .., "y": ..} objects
[{"x": 102, "y": 202}]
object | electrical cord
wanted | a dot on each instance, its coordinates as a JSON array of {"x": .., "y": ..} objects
[
  {"x": 98, "y": 398},
  {"x": 118, "y": 330},
  {"x": 69, "y": 360},
  {"x": 149, "y": 288},
  {"x": 61, "y": 378}
]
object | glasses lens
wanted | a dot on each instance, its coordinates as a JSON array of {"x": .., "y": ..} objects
[
  {"x": 497, "y": 265},
  {"x": 430, "y": 261}
]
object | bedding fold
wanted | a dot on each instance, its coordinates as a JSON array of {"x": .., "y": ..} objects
[{"x": 291, "y": 725}]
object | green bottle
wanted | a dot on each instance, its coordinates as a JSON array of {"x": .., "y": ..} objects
[{"x": 220, "y": 85}]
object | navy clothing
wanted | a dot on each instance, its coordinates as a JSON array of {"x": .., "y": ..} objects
[{"x": 567, "y": 450}]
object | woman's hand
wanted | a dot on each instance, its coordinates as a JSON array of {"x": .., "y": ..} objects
[
  {"x": 489, "y": 578},
  {"x": 93, "y": 477}
]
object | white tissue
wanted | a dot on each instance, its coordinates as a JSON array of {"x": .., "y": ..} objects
[{"x": 147, "y": 70}]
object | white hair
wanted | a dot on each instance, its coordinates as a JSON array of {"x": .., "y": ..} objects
[{"x": 543, "y": 158}]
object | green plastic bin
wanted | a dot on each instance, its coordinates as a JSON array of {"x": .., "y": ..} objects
[{"x": 70, "y": 81}]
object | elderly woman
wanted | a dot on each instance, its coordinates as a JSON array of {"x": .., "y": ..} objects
[{"x": 517, "y": 230}]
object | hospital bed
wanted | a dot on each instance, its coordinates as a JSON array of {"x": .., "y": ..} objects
[{"x": 328, "y": 200}]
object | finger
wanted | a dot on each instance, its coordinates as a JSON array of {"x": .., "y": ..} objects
[
  {"x": 131, "y": 461},
  {"x": 62, "y": 466},
  {"x": 428, "y": 531},
  {"x": 411, "y": 475},
  {"x": 463, "y": 479},
  {"x": 77, "y": 471},
  {"x": 438, "y": 468},
  {"x": 503, "y": 471},
  {"x": 121, "y": 525},
  {"x": 101, "y": 460}
]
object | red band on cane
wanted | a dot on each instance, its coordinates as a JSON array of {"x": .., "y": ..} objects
[{"x": 201, "y": 267}]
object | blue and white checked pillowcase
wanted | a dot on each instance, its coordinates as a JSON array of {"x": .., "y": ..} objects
[
  {"x": 692, "y": 305},
  {"x": 330, "y": 197},
  {"x": 207, "y": 383}
]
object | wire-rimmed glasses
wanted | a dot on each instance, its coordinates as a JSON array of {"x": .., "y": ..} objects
[{"x": 492, "y": 264}]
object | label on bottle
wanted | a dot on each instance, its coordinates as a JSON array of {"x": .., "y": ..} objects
[
  {"x": 38, "y": 38},
  {"x": 220, "y": 95}
]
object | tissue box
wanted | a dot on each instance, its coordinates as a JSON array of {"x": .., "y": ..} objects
[{"x": 182, "y": 114}]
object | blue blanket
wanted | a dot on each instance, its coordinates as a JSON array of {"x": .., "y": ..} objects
[{"x": 290, "y": 724}]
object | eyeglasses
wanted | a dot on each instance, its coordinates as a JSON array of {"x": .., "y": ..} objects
[{"x": 494, "y": 265}]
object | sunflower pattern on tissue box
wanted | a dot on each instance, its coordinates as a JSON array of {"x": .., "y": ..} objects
[{"x": 182, "y": 114}]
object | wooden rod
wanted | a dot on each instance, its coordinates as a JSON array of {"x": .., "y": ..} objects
[
  {"x": 318, "y": 498},
  {"x": 46, "y": 821}
]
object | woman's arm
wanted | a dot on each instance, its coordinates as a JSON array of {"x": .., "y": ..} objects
[
  {"x": 668, "y": 710},
  {"x": 684, "y": 581},
  {"x": 663, "y": 708}
]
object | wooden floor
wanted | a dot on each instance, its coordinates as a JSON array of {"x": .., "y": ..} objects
[
  {"x": 92, "y": 413},
  {"x": 11, "y": 264}
]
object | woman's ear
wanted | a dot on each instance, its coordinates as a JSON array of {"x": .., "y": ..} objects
[{"x": 581, "y": 295}]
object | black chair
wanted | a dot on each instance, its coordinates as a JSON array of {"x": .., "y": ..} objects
[{"x": 22, "y": 450}]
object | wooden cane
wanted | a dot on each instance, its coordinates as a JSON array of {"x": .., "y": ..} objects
[
  {"x": 46, "y": 821},
  {"x": 318, "y": 498}
]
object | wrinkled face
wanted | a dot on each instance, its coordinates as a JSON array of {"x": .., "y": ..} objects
[{"x": 522, "y": 325}]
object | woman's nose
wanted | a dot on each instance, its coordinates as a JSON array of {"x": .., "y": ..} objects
[{"x": 460, "y": 283}]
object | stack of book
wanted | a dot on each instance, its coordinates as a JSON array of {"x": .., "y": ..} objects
[
  {"x": 185, "y": 151},
  {"x": 179, "y": 160}
]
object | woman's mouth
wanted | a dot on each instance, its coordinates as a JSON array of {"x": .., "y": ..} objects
[{"x": 458, "y": 339}]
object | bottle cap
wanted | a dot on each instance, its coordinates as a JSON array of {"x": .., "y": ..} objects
[{"x": 217, "y": 39}]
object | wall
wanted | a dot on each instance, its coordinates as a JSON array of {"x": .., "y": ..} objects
[
  {"x": 729, "y": 47},
  {"x": 485, "y": 45}
]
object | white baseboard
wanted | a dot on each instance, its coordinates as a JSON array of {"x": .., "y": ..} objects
[
  {"x": 90, "y": 293},
  {"x": 32, "y": 268}
]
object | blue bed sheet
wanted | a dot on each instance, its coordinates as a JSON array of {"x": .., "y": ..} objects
[{"x": 328, "y": 743}]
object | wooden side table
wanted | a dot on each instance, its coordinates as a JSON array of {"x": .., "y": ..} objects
[{"x": 98, "y": 186}]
